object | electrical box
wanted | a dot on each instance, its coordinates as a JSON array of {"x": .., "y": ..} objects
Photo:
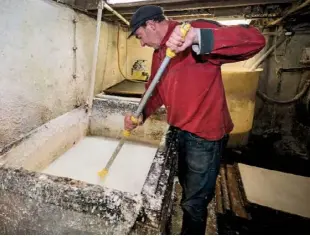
[
  {"x": 139, "y": 71},
  {"x": 305, "y": 56}
]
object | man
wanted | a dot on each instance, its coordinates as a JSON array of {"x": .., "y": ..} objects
[{"x": 192, "y": 91}]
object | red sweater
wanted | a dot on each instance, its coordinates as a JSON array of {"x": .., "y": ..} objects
[{"x": 191, "y": 87}]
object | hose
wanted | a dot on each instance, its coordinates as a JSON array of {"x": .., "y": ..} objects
[
  {"x": 264, "y": 96},
  {"x": 294, "y": 99}
]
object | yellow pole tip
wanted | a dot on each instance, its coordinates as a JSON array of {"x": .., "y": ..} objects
[
  {"x": 170, "y": 53},
  {"x": 134, "y": 120},
  {"x": 103, "y": 173},
  {"x": 126, "y": 133}
]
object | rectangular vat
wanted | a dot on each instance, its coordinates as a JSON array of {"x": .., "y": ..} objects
[{"x": 35, "y": 198}]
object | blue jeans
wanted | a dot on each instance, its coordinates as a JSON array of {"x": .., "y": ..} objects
[{"x": 198, "y": 167}]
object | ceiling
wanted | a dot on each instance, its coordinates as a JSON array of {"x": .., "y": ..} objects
[{"x": 185, "y": 9}]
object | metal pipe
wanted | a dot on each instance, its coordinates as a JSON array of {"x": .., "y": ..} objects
[
  {"x": 105, "y": 5},
  {"x": 95, "y": 56},
  {"x": 266, "y": 54}
]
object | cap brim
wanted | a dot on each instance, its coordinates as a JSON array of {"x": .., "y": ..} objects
[
  {"x": 131, "y": 34},
  {"x": 133, "y": 31}
]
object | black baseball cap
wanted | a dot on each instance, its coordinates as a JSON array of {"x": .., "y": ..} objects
[{"x": 142, "y": 15}]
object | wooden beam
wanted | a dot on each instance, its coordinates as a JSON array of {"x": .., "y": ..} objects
[
  {"x": 234, "y": 194},
  {"x": 291, "y": 11},
  {"x": 226, "y": 200},
  {"x": 218, "y": 12},
  {"x": 147, "y": 2},
  {"x": 218, "y": 196},
  {"x": 172, "y": 5},
  {"x": 92, "y": 3}
]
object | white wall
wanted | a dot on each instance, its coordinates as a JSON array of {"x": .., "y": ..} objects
[{"x": 36, "y": 83}]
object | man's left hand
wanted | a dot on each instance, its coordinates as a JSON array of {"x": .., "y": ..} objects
[{"x": 177, "y": 44}]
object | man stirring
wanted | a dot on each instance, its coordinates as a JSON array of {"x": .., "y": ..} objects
[{"x": 192, "y": 91}]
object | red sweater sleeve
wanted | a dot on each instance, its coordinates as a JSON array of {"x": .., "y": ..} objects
[
  {"x": 155, "y": 100},
  {"x": 223, "y": 44}
]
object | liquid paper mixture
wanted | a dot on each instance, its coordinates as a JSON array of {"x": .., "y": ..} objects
[{"x": 83, "y": 161}]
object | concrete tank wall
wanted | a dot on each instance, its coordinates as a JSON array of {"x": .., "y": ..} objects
[
  {"x": 37, "y": 194},
  {"x": 37, "y": 63}
]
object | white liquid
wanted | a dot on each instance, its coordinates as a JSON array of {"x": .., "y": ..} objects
[{"x": 83, "y": 161}]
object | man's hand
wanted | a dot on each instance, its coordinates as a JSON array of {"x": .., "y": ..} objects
[
  {"x": 129, "y": 124},
  {"x": 177, "y": 44}
]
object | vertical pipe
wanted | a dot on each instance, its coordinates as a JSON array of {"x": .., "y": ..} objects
[{"x": 95, "y": 56}]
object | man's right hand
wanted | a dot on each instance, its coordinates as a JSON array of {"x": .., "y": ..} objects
[
  {"x": 129, "y": 124},
  {"x": 176, "y": 42}
]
